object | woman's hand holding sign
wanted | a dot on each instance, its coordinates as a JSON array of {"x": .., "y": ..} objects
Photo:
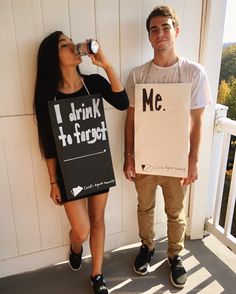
[{"x": 55, "y": 193}]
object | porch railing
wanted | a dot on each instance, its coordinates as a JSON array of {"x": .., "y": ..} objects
[{"x": 224, "y": 129}]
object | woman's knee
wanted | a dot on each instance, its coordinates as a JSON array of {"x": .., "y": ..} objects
[
  {"x": 97, "y": 221},
  {"x": 80, "y": 235}
]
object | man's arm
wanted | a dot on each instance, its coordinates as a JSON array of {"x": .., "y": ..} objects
[
  {"x": 196, "y": 116},
  {"x": 129, "y": 166}
]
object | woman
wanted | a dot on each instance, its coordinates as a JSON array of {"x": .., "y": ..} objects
[{"x": 58, "y": 76}]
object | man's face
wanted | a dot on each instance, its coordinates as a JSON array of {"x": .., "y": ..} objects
[{"x": 162, "y": 33}]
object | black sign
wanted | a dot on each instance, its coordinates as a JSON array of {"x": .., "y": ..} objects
[{"x": 81, "y": 137}]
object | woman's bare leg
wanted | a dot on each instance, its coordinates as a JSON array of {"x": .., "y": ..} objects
[
  {"x": 96, "y": 208},
  {"x": 77, "y": 214}
]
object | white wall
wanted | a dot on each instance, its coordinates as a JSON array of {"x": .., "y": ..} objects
[{"x": 33, "y": 231}]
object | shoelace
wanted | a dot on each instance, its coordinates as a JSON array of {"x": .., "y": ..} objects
[{"x": 177, "y": 262}]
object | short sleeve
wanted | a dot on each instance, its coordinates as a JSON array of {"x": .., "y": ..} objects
[
  {"x": 201, "y": 95},
  {"x": 130, "y": 88}
]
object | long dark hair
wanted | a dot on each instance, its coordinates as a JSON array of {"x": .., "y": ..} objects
[
  {"x": 48, "y": 77},
  {"x": 48, "y": 69}
]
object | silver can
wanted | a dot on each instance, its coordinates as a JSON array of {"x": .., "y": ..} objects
[{"x": 87, "y": 47}]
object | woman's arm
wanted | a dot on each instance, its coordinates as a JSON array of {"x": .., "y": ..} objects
[
  {"x": 55, "y": 193},
  {"x": 113, "y": 92},
  {"x": 100, "y": 60}
]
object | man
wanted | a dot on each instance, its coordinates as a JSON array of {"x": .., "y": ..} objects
[{"x": 166, "y": 67}]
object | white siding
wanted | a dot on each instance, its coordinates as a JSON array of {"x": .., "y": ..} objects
[
  {"x": 34, "y": 232},
  {"x": 82, "y": 15}
]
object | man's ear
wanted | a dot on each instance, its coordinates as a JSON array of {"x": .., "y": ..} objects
[{"x": 176, "y": 31}]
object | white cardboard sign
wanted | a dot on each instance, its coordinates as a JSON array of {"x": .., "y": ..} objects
[{"x": 162, "y": 129}]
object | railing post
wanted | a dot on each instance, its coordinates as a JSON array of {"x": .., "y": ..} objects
[
  {"x": 217, "y": 143},
  {"x": 199, "y": 191},
  {"x": 224, "y": 129}
]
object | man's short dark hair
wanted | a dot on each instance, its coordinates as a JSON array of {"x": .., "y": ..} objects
[{"x": 163, "y": 10}]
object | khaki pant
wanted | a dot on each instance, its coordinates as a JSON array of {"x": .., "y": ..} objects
[{"x": 174, "y": 208}]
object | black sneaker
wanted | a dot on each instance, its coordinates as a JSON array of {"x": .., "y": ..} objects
[
  {"x": 178, "y": 275},
  {"x": 99, "y": 285},
  {"x": 75, "y": 259},
  {"x": 142, "y": 261}
]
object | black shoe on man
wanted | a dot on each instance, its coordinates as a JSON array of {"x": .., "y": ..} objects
[
  {"x": 142, "y": 261},
  {"x": 75, "y": 259},
  {"x": 178, "y": 275},
  {"x": 99, "y": 285}
]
